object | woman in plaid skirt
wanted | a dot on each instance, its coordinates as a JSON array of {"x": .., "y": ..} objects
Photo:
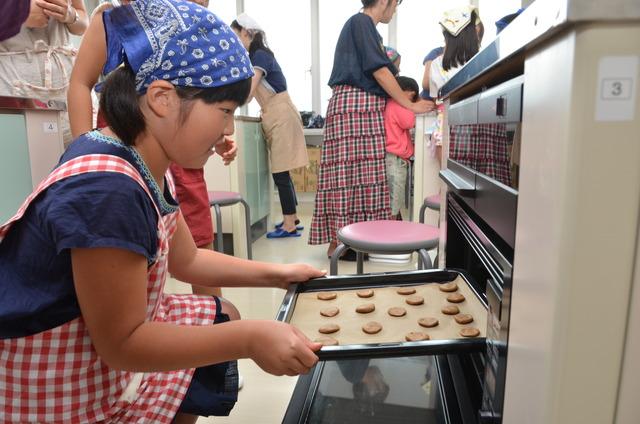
[
  {"x": 86, "y": 332},
  {"x": 352, "y": 182}
]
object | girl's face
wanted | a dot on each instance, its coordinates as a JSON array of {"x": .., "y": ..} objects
[
  {"x": 196, "y": 136},
  {"x": 389, "y": 11},
  {"x": 244, "y": 36}
]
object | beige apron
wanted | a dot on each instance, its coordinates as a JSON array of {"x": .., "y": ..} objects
[{"x": 282, "y": 128}]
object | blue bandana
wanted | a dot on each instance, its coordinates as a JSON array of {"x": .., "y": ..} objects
[{"x": 174, "y": 40}]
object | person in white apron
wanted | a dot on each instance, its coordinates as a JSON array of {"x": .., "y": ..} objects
[
  {"x": 36, "y": 63},
  {"x": 281, "y": 122},
  {"x": 86, "y": 332}
]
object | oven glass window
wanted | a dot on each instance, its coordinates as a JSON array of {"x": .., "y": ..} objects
[
  {"x": 378, "y": 391},
  {"x": 490, "y": 149}
]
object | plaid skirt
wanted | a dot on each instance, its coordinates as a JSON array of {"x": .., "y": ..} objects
[{"x": 352, "y": 184}]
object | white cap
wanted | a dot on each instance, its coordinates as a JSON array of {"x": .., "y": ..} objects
[{"x": 248, "y": 23}]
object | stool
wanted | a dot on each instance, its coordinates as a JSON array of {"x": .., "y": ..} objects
[
  {"x": 386, "y": 237},
  {"x": 218, "y": 199},
  {"x": 432, "y": 202}
]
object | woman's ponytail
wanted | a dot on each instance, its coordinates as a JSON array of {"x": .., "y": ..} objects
[{"x": 119, "y": 103}]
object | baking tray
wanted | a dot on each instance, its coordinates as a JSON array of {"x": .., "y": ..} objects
[{"x": 440, "y": 343}]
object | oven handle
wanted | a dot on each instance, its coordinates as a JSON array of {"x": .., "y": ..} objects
[{"x": 457, "y": 183}]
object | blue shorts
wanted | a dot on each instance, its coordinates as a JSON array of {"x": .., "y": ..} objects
[{"x": 214, "y": 388}]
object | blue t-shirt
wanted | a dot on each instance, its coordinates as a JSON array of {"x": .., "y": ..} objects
[
  {"x": 359, "y": 53},
  {"x": 99, "y": 209},
  {"x": 273, "y": 76}
]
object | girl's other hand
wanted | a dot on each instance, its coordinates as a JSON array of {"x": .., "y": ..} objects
[
  {"x": 228, "y": 150},
  {"x": 36, "y": 18},
  {"x": 298, "y": 273},
  {"x": 282, "y": 349},
  {"x": 60, "y": 10},
  {"x": 423, "y": 106}
]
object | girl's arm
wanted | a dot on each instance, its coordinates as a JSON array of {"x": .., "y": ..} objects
[
  {"x": 205, "y": 267},
  {"x": 425, "y": 76},
  {"x": 254, "y": 83},
  {"x": 111, "y": 287},
  {"x": 86, "y": 71},
  {"x": 388, "y": 82}
]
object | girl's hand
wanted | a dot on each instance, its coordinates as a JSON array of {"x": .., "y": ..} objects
[
  {"x": 423, "y": 106},
  {"x": 298, "y": 273},
  {"x": 228, "y": 150},
  {"x": 36, "y": 18},
  {"x": 282, "y": 349},
  {"x": 60, "y": 10}
]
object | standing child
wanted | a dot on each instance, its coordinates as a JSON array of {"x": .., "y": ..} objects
[
  {"x": 398, "y": 122},
  {"x": 86, "y": 332}
]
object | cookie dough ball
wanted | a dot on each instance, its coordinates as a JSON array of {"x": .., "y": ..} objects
[
  {"x": 330, "y": 312},
  {"x": 365, "y": 293},
  {"x": 329, "y": 328},
  {"x": 463, "y": 318},
  {"x": 450, "y": 310},
  {"x": 372, "y": 327},
  {"x": 415, "y": 300},
  {"x": 327, "y": 295},
  {"x": 397, "y": 312},
  {"x": 416, "y": 336},
  {"x": 428, "y": 322},
  {"x": 455, "y": 298},
  {"x": 366, "y": 308},
  {"x": 448, "y": 287},
  {"x": 327, "y": 341},
  {"x": 406, "y": 291},
  {"x": 469, "y": 332}
]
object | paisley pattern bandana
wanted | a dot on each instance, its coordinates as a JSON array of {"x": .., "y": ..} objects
[{"x": 174, "y": 40}]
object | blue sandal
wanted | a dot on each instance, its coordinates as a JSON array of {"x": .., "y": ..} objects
[
  {"x": 280, "y": 233},
  {"x": 298, "y": 226}
]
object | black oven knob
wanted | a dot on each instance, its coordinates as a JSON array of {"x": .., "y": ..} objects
[{"x": 501, "y": 106}]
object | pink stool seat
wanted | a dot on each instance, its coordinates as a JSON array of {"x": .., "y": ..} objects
[
  {"x": 224, "y": 198},
  {"x": 389, "y": 236}
]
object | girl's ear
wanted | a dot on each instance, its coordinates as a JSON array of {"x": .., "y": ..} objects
[{"x": 161, "y": 98}]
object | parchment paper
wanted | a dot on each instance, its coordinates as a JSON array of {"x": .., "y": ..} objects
[{"x": 306, "y": 315}]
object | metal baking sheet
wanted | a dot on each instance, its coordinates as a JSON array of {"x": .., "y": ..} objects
[{"x": 302, "y": 309}]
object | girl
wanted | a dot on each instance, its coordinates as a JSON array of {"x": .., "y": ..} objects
[
  {"x": 352, "y": 184},
  {"x": 87, "y": 334},
  {"x": 281, "y": 122}
]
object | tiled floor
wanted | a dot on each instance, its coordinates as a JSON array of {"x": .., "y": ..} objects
[{"x": 264, "y": 398}]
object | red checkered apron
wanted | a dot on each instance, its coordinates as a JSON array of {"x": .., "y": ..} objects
[{"x": 57, "y": 376}]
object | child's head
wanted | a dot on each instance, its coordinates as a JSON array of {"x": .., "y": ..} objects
[
  {"x": 409, "y": 87},
  {"x": 250, "y": 33},
  {"x": 184, "y": 72},
  {"x": 462, "y": 31}
]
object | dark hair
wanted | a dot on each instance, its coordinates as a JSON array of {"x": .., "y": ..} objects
[
  {"x": 119, "y": 101},
  {"x": 458, "y": 50},
  {"x": 409, "y": 84},
  {"x": 259, "y": 41},
  {"x": 370, "y": 3}
]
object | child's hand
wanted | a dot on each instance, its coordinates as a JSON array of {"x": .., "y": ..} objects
[
  {"x": 228, "y": 149},
  {"x": 298, "y": 273},
  {"x": 282, "y": 349}
]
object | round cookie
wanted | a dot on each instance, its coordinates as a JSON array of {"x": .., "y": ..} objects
[
  {"x": 455, "y": 298},
  {"x": 326, "y": 295},
  {"x": 428, "y": 322},
  {"x": 366, "y": 308},
  {"x": 450, "y": 310},
  {"x": 469, "y": 332},
  {"x": 329, "y": 328},
  {"x": 448, "y": 287},
  {"x": 331, "y": 311},
  {"x": 406, "y": 291},
  {"x": 372, "y": 327},
  {"x": 415, "y": 300},
  {"x": 365, "y": 293},
  {"x": 463, "y": 318},
  {"x": 327, "y": 341},
  {"x": 416, "y": 336},
  {"x": 397, "y": 312}
]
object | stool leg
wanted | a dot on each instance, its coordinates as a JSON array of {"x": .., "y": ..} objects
[
  {"x": 333, "y": 266},
  {"x": 423, "y": 208},
  {"x": 359, "y": 262},
  {"x": 426, "y": 260},
  {"x": 219, "y": 243},
  {"x": 247, "y": 218}
]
